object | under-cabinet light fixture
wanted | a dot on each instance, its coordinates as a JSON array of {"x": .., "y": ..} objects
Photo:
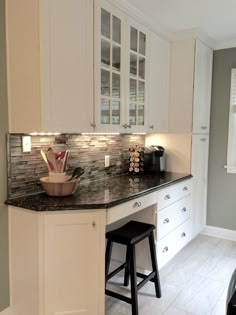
[
  {"x": 139, "y": 133},
  {"x": 100, "y": 133},
  {"x": 44, "y": 133}
]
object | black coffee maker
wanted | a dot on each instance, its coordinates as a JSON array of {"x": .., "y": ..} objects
[{"x": 154, "y": 159}]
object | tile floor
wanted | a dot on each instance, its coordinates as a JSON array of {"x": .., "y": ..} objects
[{"x": 195, "y": 282}]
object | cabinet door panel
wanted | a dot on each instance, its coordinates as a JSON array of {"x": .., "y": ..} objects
[
  {"x": 200, "y": 146},
  {"x": 202, "y": 88},
  {"x": 67, "y": 65},
  {"x": 71, "y": 264},
  {"x": 159, "y": 68}
]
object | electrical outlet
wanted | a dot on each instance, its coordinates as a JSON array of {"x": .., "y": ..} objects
[
  {"x": 26, "y": 144},
  {"x": 107, "y": 160}
]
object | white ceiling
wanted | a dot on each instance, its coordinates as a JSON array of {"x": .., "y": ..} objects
[{"x": 215, "y": 18}]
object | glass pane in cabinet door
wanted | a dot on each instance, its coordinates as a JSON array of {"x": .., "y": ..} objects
[
  {"x": 116, "y": 29},
  {"x": 133, "y": 39},
  {"x": 141, "y": 91},
  {"x": 132, "y": 114},
  {"x": 105, "y": 52},
  {"x": 105, "y": 23},
  {"x": 140, "y": 115},
  {"x": 133, "y": 90},
  {"x": 133, "y": 64},
  {"x": 115, "y": 112},
  {"x": 142, "y": 67},
  {"x": 105, "y": 111},
  {"x": 116, "y": 57},
  {"x": 142, "y": 43},
  {"x": 105, "y": 82},
  {"x": 115, "y": 85}
]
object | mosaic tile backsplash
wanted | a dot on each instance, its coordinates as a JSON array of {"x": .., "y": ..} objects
[{"x": 86, "y": 151}]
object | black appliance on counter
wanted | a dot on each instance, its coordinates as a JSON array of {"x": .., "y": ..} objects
[{"x": 154, "y": 159}]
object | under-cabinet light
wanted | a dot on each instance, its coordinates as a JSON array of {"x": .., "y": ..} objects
[
  {"x": 139, "y": 133},
  {"x": 100, "y": 133},
  {"x": 45, "y": 133}
]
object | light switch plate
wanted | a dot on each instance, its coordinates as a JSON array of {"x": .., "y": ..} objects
[{"x": 26, "y": 143}]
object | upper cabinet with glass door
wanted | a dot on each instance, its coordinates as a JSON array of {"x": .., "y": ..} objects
[
  {"x": 120, "y": 71},
  {"x": 136, "y": 111},
  {"x": 109, "y": 67}
]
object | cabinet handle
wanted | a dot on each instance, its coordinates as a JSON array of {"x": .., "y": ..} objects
[
  {"x": 167, "y": 197},
  {"x": 151, "y": 127},
  {"x": 165, "y": 249},
  {"x": 137, "y": 204},
  {"x": 203, "y": 127},
  {"x": 185, "y": 188},
  {"x": 184, "y": 209},
  {"x": 166, "y": 221},
  {"x": 203, "y": 139},
  {"x": 94, "y": 224},
  {"x": 183, "y": 234},
  {"x": 126, "y": 126},
  {"x": 93, "y": 124}
]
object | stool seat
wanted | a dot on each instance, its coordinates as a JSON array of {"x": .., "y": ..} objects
[{"x": 131, "y": 233}]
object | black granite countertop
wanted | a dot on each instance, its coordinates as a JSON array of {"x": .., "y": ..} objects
[{"x": 100, "y": 194}]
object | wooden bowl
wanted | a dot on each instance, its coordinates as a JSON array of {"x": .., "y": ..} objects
[{"x": 59, "y": 189}]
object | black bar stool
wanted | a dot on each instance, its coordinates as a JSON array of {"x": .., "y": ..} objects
[{"x": 130, "y": 234}]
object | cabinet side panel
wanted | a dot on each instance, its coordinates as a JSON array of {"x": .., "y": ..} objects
[
  {"x": 181, "y": 86},
  {"x": 22, "y": 25},
  {"x": 24, "y": 261}
]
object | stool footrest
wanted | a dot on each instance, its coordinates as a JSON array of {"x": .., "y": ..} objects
[
  {"x": 114, "y": 272},
  {"x": 118, "y": 296},
  {"x": 145, "y": 278}
]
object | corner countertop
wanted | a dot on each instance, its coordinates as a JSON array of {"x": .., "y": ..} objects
[{"x": 100, "y": 194}]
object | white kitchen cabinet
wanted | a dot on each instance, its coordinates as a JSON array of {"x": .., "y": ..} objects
[
  {"x": 159, "y": 68},
  {"x": 190, "y": 86},
  {"x": 121, "y": 71},
  {"x": 57, "y": 262},
  {"x": 50, "y": 70},
  {"x": 199, "y": 169}
]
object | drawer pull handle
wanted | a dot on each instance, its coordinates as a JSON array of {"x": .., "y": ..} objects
[
  {"x": 185, "y": 188},
  {"x": 167, "y": 197},
  {"x": 184, "y": 209},
  {"x": 183, "y": 234},
  {"x": 94, "y": 224},
  {"x": 166, "y": 221},
  {"x": 165, "y": 249},
  {"x": 203, "y": 139},
  {"x": 137, "y": 204}
]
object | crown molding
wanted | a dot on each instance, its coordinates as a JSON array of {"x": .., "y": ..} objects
[{"x": 135, "y": 13}]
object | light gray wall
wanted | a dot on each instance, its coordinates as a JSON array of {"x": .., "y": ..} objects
[
  {"x": 4, "y": 277},
  {"x": 221, "y": 185}
]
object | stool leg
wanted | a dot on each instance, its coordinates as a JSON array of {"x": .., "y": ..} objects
[
  {"x": 133, "y": 280},
  {"x": 127, "y": 268},
  {"x": 154, "y": 265},
  {"x": 108, "y": 258}
]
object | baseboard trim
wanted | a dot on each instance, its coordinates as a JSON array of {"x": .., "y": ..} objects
[
  {"x": 219, "y": 233},
  {"x": 7, "y": 311}
]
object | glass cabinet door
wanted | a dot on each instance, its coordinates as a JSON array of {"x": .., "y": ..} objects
[
  {"x": 110, "y": 68},
  {"x": 137, "y": 77}
]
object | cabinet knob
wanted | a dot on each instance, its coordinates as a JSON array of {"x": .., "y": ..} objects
[
  {"x": 167, "y": 197},
  {"x": 126, "y": 126},
  {"x": 184, "y": 209},
  {"x": 203, "y": 139},
  {"x": 203, "y": 127},
  {"x": 94, "y": 224},
  {"x": 185, "y": 188},
  {"x": 166, "y": 221},
  {"x": 137, "y": 204},
  {"x": 93, "y": 124},
  {"x": 165, "y": 249},
  {"x": 151, "y": 127},
  {"x": 183, "y": 234}
]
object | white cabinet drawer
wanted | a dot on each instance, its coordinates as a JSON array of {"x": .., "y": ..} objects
[
  {"x": 173, "y": 193},
  {"x": 172, "y": 243},
  {"x": 172, "y": 216},
  {"x": 127, "y": 208}
]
